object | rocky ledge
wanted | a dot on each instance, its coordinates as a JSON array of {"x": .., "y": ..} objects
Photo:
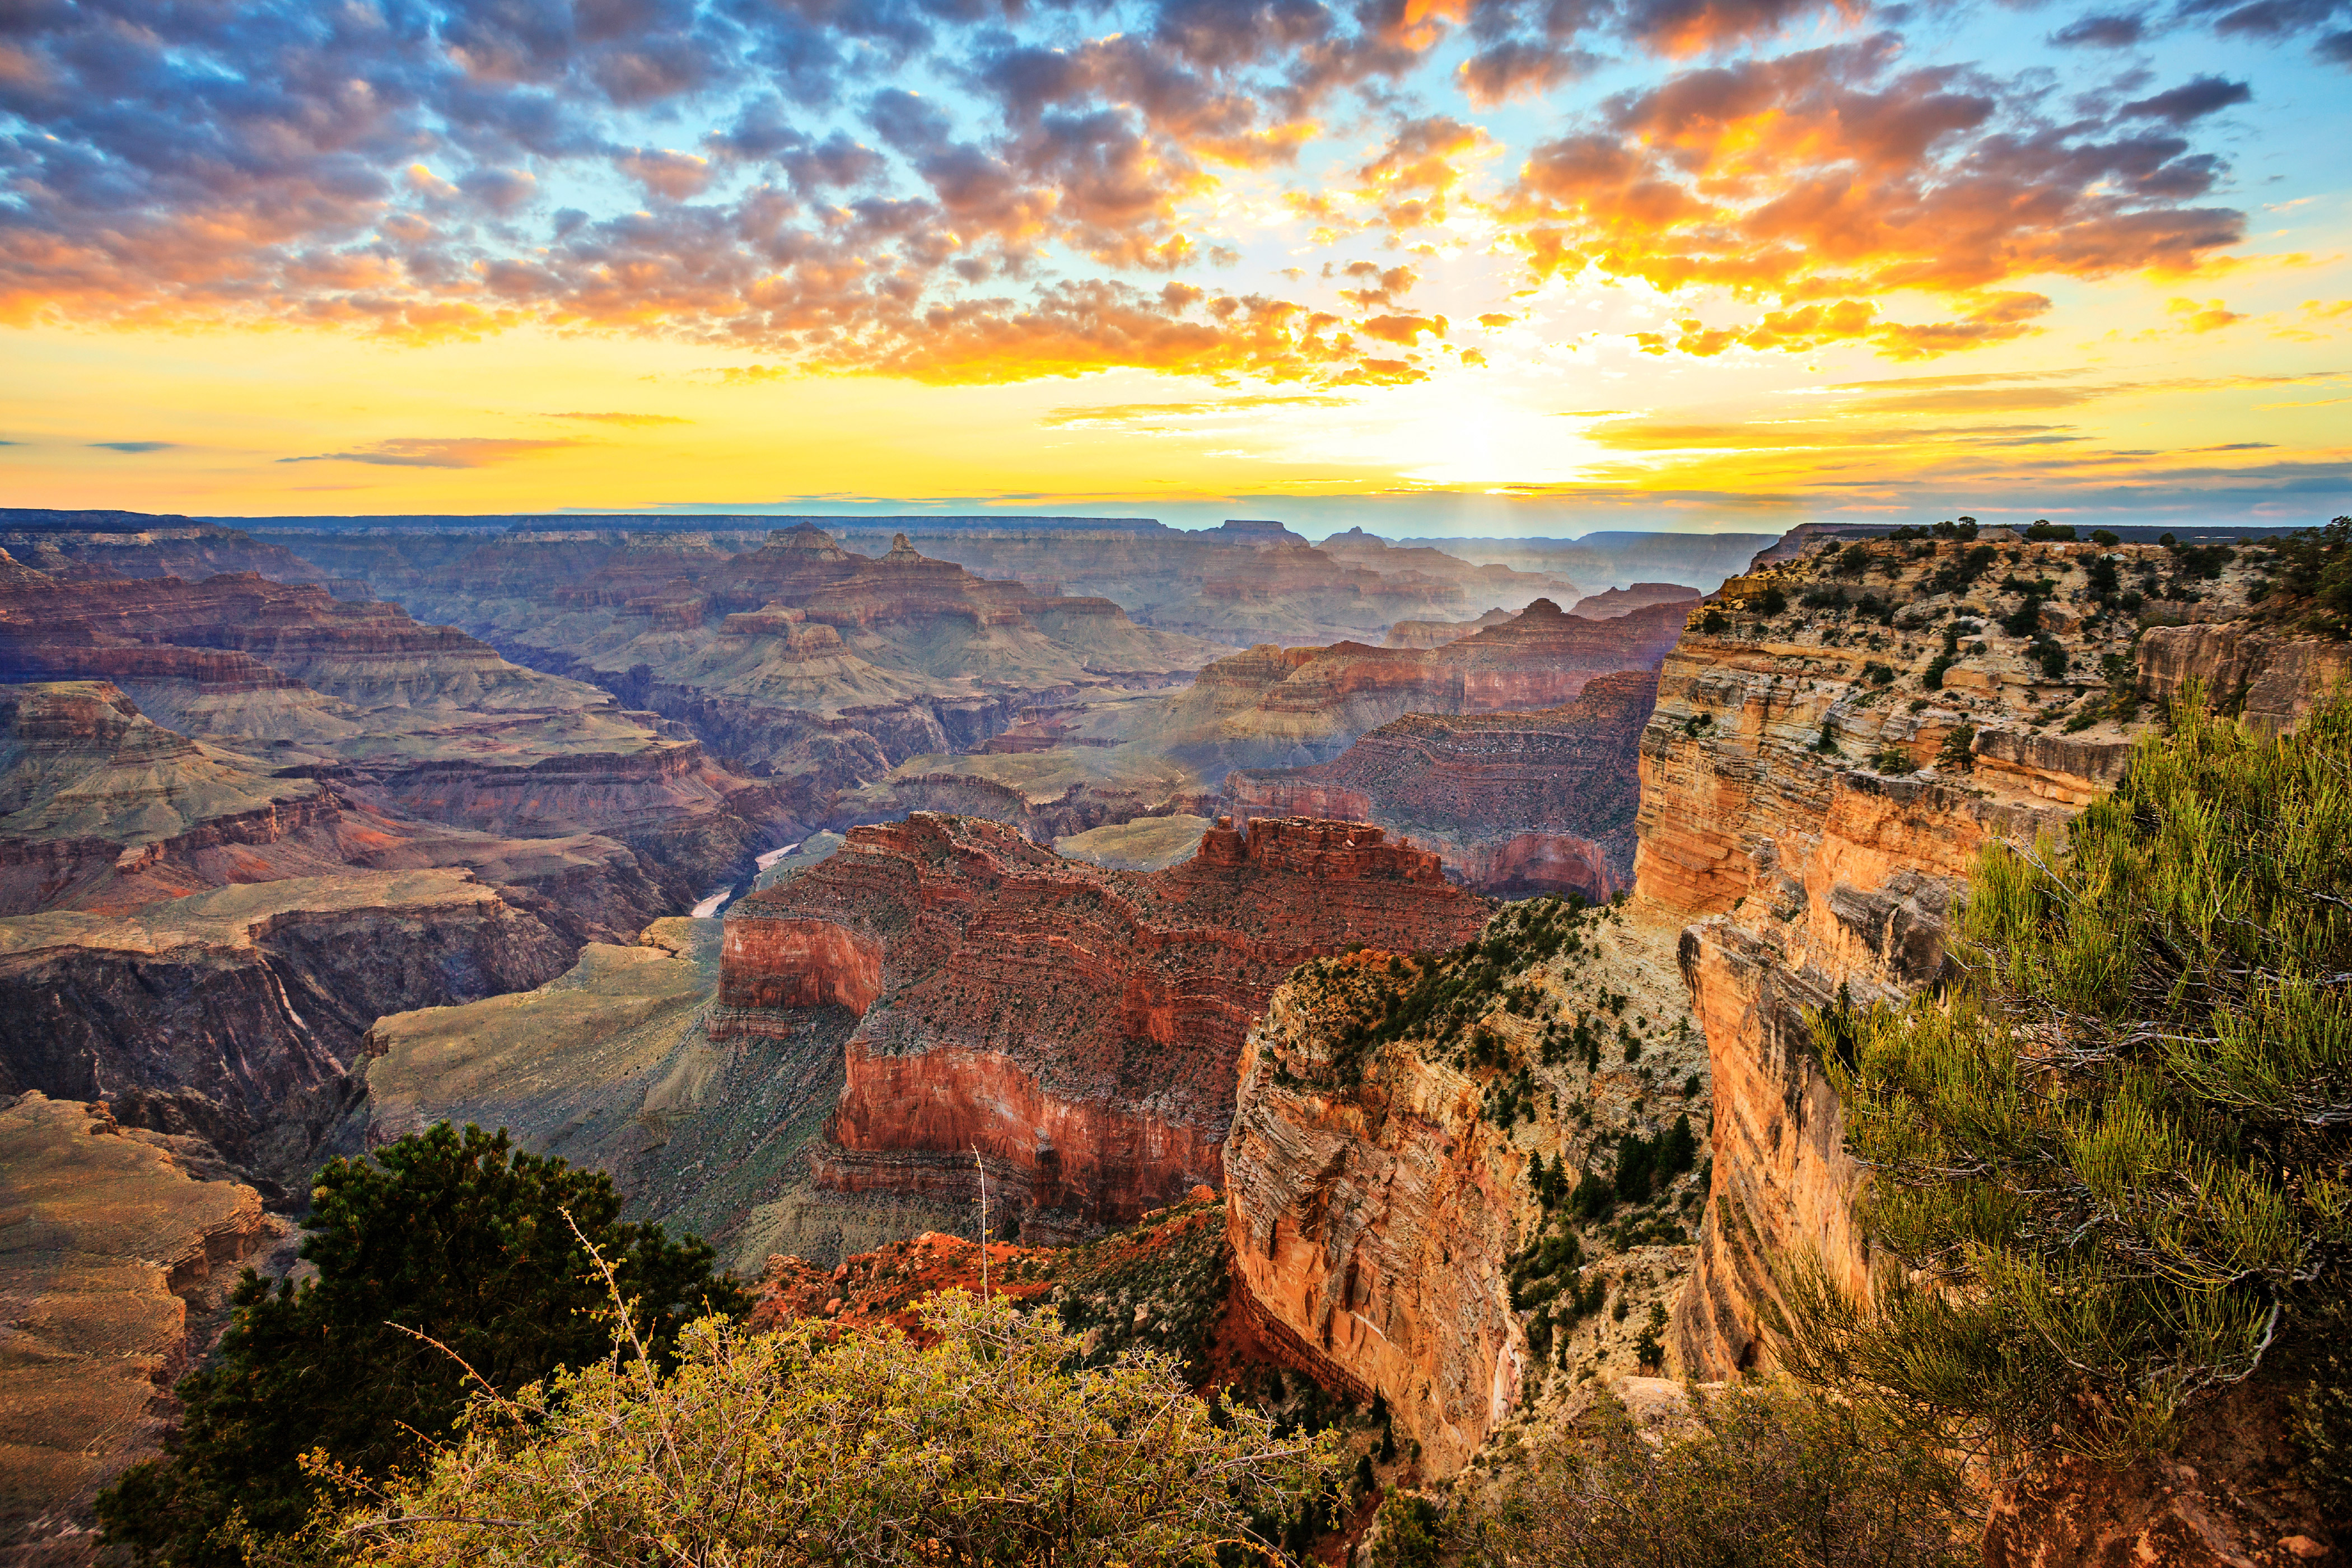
[
  {"x": 1516, "y": 802},
  {"x": 1078, "y": 1027}
]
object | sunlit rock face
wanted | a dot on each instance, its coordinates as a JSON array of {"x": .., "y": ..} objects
[
  {"x": 1077, "y": 1027},
  {"x": 1517, "y": 803}
]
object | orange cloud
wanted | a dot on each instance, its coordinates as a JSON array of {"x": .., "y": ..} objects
[{"x": 1828, "y": 175}]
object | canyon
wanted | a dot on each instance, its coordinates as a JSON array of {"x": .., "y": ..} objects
[
  {"x": 1516, "y": 803},
  {"x": 1200, "y": 973},
  {"x": 1077, "y": 1028}
]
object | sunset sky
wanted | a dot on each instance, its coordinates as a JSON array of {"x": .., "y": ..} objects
[{"x": 1446, "y": 265}]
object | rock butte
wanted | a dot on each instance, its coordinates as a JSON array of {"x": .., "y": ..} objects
[
  {"x": 1517, "y": 803},
  {"x": 1079, "y": 1026}
]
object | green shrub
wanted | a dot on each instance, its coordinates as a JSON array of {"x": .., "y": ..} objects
[
  {"x": 2117, "y": 1146},
  {"x": 1764, "y": 1477},
  {"x": 979, "y": 1447},
  {"x": 2042, "y": 527},
  {"x": 1771, "y": 602},
  {"x": 454, "y": 1236},
  {"x": 2106, "y": 536}
]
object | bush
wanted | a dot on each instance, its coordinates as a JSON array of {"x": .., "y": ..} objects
[
  {"x": 2106, "y": 537},
  {"x": 1957, "y": 754},
  {"x": 1765, "y": 1478},
  {"x": 2117, "y": 1146},
  {"x": 1713, "y": 621},
  {"x": 2042, "y": 527},
  {"x": 1771, "y": 602},
  {"x": 1960, "y": 572},
  {"x": 798, "y": 1447},
  {"x": 454, "y": 1236}
]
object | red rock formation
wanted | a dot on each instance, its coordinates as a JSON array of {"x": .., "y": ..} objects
[
  {"x": 1785, "y": 812},
  {"x": 1079, "y": 1026},
  {"x": 1288, "y": 707},
  {"x": 1518, "y": 803},
  {"x": 1615, "y": 602},
  {"x": 1370, "y": 1229},
  {"x": 774, "y": 964}
]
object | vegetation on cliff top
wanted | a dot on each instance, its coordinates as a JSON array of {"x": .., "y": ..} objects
[
  {"x": 2114, "y": 1153},
  {"x": 453, "y": 1235},
  {"x": 812, "y": 1445},
  {"x": 1760, "y": 1475}
]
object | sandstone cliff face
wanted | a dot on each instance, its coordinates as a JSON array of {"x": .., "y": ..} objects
[
  {"x": 115, "y": 1251},
  {"x": 1813, "y": 804},
  {"x": 1374, "y": 1229},
  {"x": 1387, "y": 1225},
  {"x": 1814, "y": 818},
  {"x": 1517, "y": 803},
  {"x": 222, "y": 1012},
  {"x": 1078, "y": 1025},
  {"x": 1275, "y": 707}
]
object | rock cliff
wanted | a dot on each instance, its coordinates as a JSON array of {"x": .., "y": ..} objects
[
  {"x": 1455, "y": 1180},
  {"x": 1079, "y": 1026},
  {"x": 1516, "y": 803},
  {"x": 1821, "y": 769},
  {"x": 1275, "y": 707},
  {"x": 235, "y": 1014},
  {"x": 118, "y": 1248}
]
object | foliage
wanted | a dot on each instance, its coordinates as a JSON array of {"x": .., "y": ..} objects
[
  {"x": 802, "y": 1447},
  {"x": 1957, "y": 754},
  {"x": 2044, "y": 528},
  {"x": 2106, "y": 537},
  {"x": 1771, "y": 601},
  {"x": 1960, "y": 570},
  {"x": 1713, "y": 621},
  {"x": 2114, "y": 1150},
  {"x": 1765, "y": 1478},
  {"x": 454, "y": 1236},
  {"x": 2316, "y": 569}
]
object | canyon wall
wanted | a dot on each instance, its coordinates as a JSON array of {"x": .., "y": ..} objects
[
  {"x": 235, "y": 1014},
  {"x": 118, "y": 1249},
  {"x": 1080, "y": 1027},
  {"x": 1398, "y": 1194},
  {"x": 1811, "y": 802},
  {"x": 1518, "y": 803},
  {"x": 1280, "y": 708},
  {"x": 1817, "y": 779}
]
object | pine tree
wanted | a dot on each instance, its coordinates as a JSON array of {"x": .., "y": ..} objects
[{"x": 2111, "y": 1157}]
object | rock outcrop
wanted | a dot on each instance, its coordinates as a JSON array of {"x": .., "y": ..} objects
[
  {"x": 1518, "y": 803},
  {"x": 118, "y": 1248},
  {"x": 1275, "y": 707},
  {"x": 235, "y": 1014},
  {"x": 1816, "y": 784},
  {"x": 1079, "y": 1026},
  {"x": 425, "y": 722},
  {"x": 1390, "y": 1227}
]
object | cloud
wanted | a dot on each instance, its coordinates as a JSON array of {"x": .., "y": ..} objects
[
  {"x": 2035, "y": 392},
  {"x": 2192, "y": 100},
  {"x": 134, "y": 446},
  {"x": 355, "y": 168},
  {"x": 1830, "y": 172},
  {"x": 2210, "y": 316},
  {"x": 2098, "y": 31},
  {"x": 633, "y": 419},
  {"x": 441, "y": 452},
  {"x": 1148, "y": 413}
]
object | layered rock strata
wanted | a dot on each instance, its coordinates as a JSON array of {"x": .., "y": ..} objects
[
  {"x": 1389, "y": 1224},
  {"x": 1814, "y": 800},
  {"x": 1275, "y": 707},
  {"x": 1517, "y": 803},
  {"x": 117, "y": 1252},
  {"x": 1077, "y": 1027},
  {"x": 422, "y": 721},
  {"x": 235, "y": 1014},
  {"x": 1815, "y": 787}
]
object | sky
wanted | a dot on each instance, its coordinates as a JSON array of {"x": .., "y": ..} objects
[{"x": 1427, "y": 265}]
